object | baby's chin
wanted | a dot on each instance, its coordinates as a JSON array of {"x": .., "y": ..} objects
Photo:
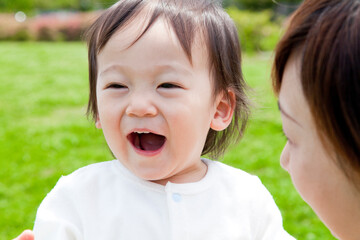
[
  {"x": 156, "y": 174},
  {"x": 158, "y": 179},
  {"x": 163, "y": 177}
]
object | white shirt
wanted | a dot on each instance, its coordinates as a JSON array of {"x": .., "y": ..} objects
[{"x": 106, "y": 201}]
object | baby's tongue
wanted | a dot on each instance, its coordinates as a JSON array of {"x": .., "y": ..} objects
[{"x": 151, "y": 142}]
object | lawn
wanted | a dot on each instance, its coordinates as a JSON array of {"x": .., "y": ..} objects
[{"x": 45, "y": 134}]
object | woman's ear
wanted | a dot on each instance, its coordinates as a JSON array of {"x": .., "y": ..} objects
[
  {"x": 97, "y": 122},
  {"x": 225, "y": 105}
]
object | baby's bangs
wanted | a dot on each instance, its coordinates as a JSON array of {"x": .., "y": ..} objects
[{"x": 185, "y": 18}]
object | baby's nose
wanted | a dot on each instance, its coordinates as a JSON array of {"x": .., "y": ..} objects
[{"x": 141, "y": 105}]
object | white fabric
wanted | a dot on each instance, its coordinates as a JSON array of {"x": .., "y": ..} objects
[{"x": 106, "y": 201}]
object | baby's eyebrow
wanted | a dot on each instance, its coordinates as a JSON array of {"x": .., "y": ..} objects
[
  {"x": 283, "y": 112},
  {"x": 113, "y": 68},
  {"x": 172, "y": 67},
  {"x": 157, "y": 69}
]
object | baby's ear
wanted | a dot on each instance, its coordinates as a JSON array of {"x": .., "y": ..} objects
[
  {"x": 225, "y": 105},
  {"x": 97, "y": 122}
]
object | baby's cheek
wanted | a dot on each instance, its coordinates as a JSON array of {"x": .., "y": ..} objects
[{"x": 188, "y": 135}]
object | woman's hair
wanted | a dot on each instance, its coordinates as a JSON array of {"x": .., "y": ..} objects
[
  {"x": 188, "y": 18},
  {"x": 325, "y": 35}
]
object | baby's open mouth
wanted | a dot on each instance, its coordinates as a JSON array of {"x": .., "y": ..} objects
[{"x": 146, "y": 141}]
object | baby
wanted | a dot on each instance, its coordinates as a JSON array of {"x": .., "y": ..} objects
[{"x": 165, "y": 88}]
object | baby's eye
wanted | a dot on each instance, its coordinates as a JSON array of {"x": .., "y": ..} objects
[
  {"x": 169, "y": 85},
  {"x": 115, "y": 85}
]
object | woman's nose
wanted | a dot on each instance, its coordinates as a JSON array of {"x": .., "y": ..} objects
[
  {"x": 285, "y": 158},
  {"x": 141, "y": 105}
]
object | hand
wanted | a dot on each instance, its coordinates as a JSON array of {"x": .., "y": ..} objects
[{"x": 25, "y": 235}]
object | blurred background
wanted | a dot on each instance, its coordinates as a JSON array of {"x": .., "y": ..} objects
[
  {"x": 44, "y": 131},
  {"x": 65, "y": 20}
]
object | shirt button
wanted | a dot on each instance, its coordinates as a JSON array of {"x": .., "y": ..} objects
[{"x": 176, "y": 197}]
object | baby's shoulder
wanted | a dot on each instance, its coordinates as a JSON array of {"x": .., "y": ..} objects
[
  {"x": 92, "y": 169},
  {"x": 231, "y": 173},
  {"x": 90, "y": 175},
  {"x": 239, "y": 180}
]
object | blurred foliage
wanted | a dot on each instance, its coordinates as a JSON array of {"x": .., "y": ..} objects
[
  {"x": 85, "y": 5},
  {"x": 261, "y": 4},
  {"x": 258, "y": 31},
  {"x": 258, "y": 22},
  {"x": 57, "y": 26},
  {"x": 30, "y": 6}
]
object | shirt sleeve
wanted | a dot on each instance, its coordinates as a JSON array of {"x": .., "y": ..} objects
[
  {"x": 56, "y": 217},
  {"x": 268, "y": 217}
]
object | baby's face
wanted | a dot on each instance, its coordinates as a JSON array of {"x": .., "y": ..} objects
[{"x": 155, "y": 108}]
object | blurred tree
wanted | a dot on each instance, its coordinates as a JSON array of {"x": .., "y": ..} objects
[
  {"x": 46, "y": 5},
  {"x": 261, "y": 4},
  {"x": 228, "y": 3},
  {"x": 254, "y": 5},
  {"x": 16, "y": 5},
  {"x": 52, "y": 5},
  {"x": 85, "y": 5}
]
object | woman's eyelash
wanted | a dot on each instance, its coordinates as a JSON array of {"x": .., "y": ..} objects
[{"x": 286, "y": 137}]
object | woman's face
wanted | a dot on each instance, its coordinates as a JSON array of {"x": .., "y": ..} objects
[{"x": 315, "y": 174}]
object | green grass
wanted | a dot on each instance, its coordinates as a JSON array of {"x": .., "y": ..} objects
[{"x": 44, "y": 134}]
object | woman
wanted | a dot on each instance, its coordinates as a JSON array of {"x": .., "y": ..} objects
[{"x": 316, "y": 75}]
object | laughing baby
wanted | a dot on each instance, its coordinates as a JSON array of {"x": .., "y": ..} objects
[{"x": 166, "y": 88}]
